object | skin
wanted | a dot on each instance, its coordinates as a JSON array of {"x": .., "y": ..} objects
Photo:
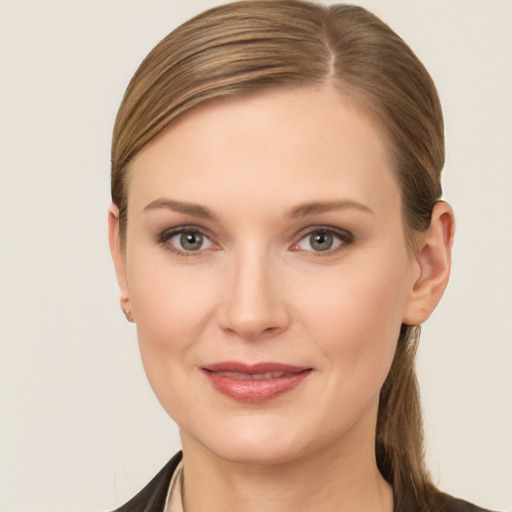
[{"x": 258, "y": 291}]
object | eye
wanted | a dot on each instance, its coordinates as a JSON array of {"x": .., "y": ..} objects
[
  {"x": 186, "y": 241},
  {"x": 323, "y": 240}
]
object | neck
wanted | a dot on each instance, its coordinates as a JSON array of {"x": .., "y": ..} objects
[{"x": 334, "y": 479}]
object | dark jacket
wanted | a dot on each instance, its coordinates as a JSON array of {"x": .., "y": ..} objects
[{"x": 152, "y": 497}]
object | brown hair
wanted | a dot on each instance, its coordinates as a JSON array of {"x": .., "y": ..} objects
[{"x": 252, "y": 45}]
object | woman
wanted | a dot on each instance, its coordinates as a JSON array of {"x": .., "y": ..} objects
[{"x": 278, "y": 236}]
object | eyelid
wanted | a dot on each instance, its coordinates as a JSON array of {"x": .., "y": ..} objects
[
  {"x": 166, "y": 235},
  {"x": 346, "y": 238}
]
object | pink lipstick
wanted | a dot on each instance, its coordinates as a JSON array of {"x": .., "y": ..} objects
[{"x": 254, "y": 383}]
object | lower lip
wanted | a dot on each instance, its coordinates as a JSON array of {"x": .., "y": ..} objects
[{"x": 255, "y": 391}]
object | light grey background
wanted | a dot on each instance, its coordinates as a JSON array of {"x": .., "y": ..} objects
[{"x": 80, "y": 428}]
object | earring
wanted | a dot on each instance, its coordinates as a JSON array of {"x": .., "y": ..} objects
[
  {"x": 125, "y": 302},
  {"x": 128, "y": 315}
]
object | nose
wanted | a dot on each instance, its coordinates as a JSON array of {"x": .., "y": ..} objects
[{"x": 253, "y": 305}]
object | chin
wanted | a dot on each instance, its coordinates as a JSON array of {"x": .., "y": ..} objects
[
  {"x": 251, "y": 444},
  {"x": 258, "y": 455}
]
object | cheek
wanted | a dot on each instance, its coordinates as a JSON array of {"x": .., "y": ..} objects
[
  {"x": 172, "y": 307},
  {"x": 357, "y": 320},
  {"x": 166, "y": 296}
]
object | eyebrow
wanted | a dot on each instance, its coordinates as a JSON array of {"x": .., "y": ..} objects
[
  {"x": 302, "y": 210},
  {"x": 316, "y": 208},
  {"x": 193, "y": 209}
]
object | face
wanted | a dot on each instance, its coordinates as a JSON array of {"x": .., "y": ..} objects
[{"x": 268, "y": 274}]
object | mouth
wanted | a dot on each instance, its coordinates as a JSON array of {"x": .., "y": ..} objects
[
  {"x": 254, "y": 383},
  {"x": 254, "y": 376}
]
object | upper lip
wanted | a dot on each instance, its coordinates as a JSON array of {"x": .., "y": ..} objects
[{"x": 253, "y": 369}]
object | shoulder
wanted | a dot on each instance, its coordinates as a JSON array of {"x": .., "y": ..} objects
[
  {"x": 446, "y": 503},
  {"x": 152, "y": 497},
  {"x": 434, "y": 501}
]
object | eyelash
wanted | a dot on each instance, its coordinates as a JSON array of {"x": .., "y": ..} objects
[
  {"x": 169, "y": 234},
  {"x": 345, "y": 238}
]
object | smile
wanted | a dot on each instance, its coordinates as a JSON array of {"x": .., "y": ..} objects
[
  {"x": 254, "y": 383},
  {"x": 254, "y": 376}
]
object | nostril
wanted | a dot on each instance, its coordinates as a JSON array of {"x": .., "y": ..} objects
[{"x": 254, "y": 332}]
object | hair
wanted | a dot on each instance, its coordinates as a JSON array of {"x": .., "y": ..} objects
[{"x": 255, "y": 45}]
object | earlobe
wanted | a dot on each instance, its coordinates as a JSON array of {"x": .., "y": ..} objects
[
  {"x": 118, "y": 257},
  {"x": 434, "y": 261}
]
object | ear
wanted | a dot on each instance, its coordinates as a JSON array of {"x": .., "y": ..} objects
[
  {"x": 434, "y": 258},
  {"x": 118, "y": 257}
]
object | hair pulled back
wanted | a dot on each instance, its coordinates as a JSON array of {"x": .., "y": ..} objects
[{"x": 253, "y": 45}]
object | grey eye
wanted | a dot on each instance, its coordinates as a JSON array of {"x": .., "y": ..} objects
[
  {"x": 320, "y": 241},
  {"x": 190, "y": 241}
]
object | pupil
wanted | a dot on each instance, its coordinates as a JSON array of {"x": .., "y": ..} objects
[
  {"x": 322, "y": 241},
  {"x": 191, "y": 241}
]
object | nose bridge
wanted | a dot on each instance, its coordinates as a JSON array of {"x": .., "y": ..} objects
[{"x": 254, "y": 305}]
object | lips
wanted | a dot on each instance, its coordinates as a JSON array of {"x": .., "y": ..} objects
[
  {"x": 254, "y": 383},
  {"x": 254, "y": 376}
]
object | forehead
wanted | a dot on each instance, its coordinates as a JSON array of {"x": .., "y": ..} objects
[{"x": 290, "y": 143}]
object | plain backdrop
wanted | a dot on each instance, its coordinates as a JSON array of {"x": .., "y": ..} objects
[{"x": 80, "y": 428}]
